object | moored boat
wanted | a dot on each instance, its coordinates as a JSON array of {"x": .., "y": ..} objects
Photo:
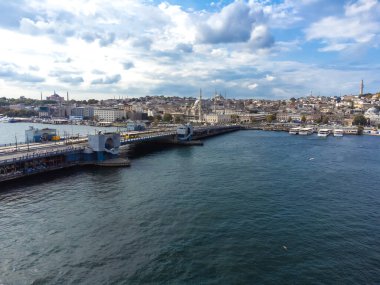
[
  {"x": 305, "y": 131},
  {"x": 294, "y": 131},
  {"x": 338, "y": 132},
  {"x": 324, "y": 132}
]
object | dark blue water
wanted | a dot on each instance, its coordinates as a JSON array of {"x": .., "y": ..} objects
[{"x": 249, "y": 207}]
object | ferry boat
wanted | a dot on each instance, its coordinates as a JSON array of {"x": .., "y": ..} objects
[
  {"x": 305, "y": 131},
  {"x": 351, "y": 131},
  {"x": 324, "y": 132},
  {"x": 338, "y": 132},
  {"x": 7, "y": 120},
  {"x": 294, "y": 131},
  {"x": 371, "y": 132}
]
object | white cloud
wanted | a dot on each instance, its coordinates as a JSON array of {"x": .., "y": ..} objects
[
  {"x": 238, "y": 22},
  {"x": 359, "y": 26},
  {"x": 261, "y": 37},
  {"x": 252, "y": 86},
  {"x": 136, "y": 47},
  {"x": 360, "y": 7}
]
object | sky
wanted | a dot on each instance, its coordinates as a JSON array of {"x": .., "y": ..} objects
[{"x": 240, "y": 48}]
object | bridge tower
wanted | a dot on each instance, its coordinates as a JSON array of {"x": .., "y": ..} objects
[{"x": 104, "y": 145}]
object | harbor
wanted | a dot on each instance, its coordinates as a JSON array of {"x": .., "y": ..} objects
[{"x": 148, "y": 223}]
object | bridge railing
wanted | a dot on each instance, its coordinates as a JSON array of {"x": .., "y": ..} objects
[
  {"x": 148, "y": 137},
  {"x": 47, "y": 153}
]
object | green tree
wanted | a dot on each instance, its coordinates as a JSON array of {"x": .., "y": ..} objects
[
  {"x": 325, "y": 120},
  {"x": 177, "y": 120},
  {"x": 271, "y": 118},
  {"x": 167, "y": 117},
  {"x": 92, "y": 101},
  {"x": 289, "y": 119},
  {"x": 234, "y": 118},
  {"x": 19, "y": 113},
  {"x": 359, "y": 120},
  {"x": 158, "y": 118},
  {"x": 303, "y": 119}
]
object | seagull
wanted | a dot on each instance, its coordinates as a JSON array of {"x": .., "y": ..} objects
[
  {"x": 284, "y": 247},
  {"x": 311, "y": 158}
]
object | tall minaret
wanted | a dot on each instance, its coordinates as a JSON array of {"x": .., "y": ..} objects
[
  {"x": 41, "y": 96},
  {"x": 361, "y": 88},
  {"x": 224, "y": 101},
  {"x": 215, "y": 101},
  {"x": 200, "y": 105},
  {"x": 67, "y": 96}
]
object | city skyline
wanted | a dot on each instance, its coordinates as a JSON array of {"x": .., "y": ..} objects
[{"x": 261, "y": 49}]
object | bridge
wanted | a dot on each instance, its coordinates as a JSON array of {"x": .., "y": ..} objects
[{"x": 21, "y": 160}]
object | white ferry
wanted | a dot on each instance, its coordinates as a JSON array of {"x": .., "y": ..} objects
[
  {"x": 294, "y": 131},
  {"x": 338, "y": 132},
  {"x": 305, "y": 131},
  {"x": 6, "y": 119},
  {"x": 371, "y": 132},
  {"x": 351, "y": 131},
  {"x": 324, "y": 132}
]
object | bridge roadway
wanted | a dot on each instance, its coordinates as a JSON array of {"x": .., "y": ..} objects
[
  {"x": 12, "y": 153},
  {"x": 9, "y": 154}
]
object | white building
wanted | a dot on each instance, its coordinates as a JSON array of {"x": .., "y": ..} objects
[
  {"x": 151, "y": 113},
  {"x": 109, "y": 115},
  {"x": 84, "y": 112},
  {"x": 373, "y": 114},
  {"x": 217, "y": 118},
  {"x": 249, "y": 118}
]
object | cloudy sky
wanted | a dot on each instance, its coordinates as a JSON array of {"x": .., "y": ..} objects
[{"x": 246, "y": 49}]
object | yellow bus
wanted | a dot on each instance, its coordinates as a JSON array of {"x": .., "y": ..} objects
[{"x": 131, "y": 136}]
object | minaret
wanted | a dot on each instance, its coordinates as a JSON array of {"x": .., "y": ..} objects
[
  {"x": 41, "y": 96},
  {"x": 67, "y": 96},
  {"x": 361, "y": 87},
  {"x": 215, "y": 101},
  {"x": 224, "y": 101},
  {"x": 200, "y": 105}
]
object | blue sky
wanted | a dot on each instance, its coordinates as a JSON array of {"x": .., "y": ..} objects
[{"x": 246, "y": 48}]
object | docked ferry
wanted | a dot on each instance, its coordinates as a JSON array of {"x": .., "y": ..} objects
[
  {"x": 6, "y": 119},
  {"x": 305, "y": 131},
  {"x": 324, "y": 132},
  {"x": 338, "y": 132},
  {"x": 294, "y": 131}
]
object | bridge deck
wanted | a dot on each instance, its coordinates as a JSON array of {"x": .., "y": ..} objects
[{"x": 14, "y": 153}]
